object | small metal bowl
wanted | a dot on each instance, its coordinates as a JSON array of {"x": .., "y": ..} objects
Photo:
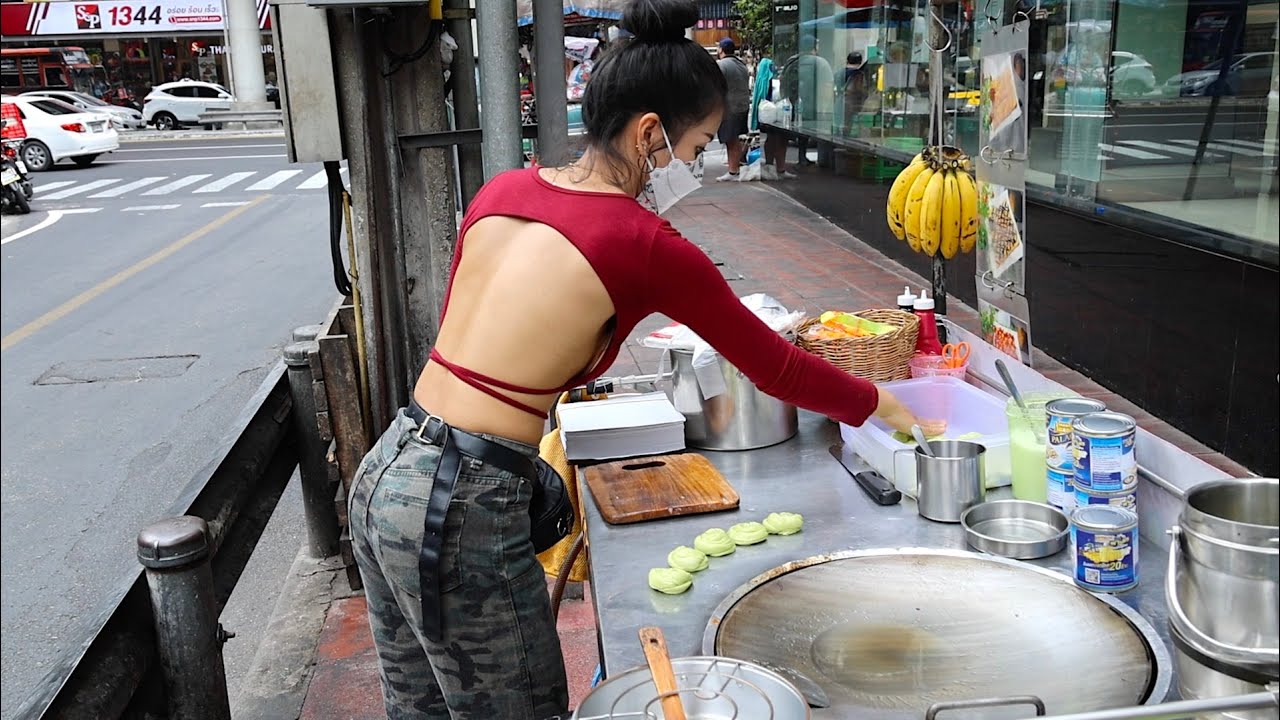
[{"x": 1018, "y": 529}]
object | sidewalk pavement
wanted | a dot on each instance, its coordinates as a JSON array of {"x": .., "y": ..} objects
[{"x": 765, "y": 242}]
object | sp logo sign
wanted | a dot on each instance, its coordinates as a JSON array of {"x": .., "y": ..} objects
[{"x": 88, "y": 17}]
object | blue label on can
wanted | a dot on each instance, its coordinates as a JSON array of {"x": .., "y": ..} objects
[
  {"x": 1058, "y": 452},
  {"x": 1061, "y": 490},
  {"x": 1105, "y": 464},
  {"x": 1127, "y": 500},
  {"x": 1105, "y": 560}
]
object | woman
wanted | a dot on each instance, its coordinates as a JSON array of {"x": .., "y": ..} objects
[
  {"x": 775, "y": 143},
  {"x": 553, "y": 268}
]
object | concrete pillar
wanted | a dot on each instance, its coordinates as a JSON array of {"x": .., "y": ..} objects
[{"x": 245, "y": 48}]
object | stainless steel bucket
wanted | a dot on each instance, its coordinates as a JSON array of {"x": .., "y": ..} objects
[
  {"x": 1223, "y": 589},
  {"x": 952, "y": 482},
  {"x": 739, "y": 418}
]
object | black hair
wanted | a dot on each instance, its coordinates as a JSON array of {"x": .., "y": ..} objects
[
  {"x": 853, "y": 58},
  {"x": 658, "y": 70}
]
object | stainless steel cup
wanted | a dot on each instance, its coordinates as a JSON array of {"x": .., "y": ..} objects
[{"x": 951, "y": 483}]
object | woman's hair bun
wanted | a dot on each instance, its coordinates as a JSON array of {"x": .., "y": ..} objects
[{"x": 659, "y": 20}]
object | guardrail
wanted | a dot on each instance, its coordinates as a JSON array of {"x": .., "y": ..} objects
[
  {"x": 231, "y": 117},
  {"x": 155, "y": 650}
]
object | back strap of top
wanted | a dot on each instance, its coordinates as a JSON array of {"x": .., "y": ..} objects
[{"x": 490, "y": 386}]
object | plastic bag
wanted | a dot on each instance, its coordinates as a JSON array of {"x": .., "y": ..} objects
[
  {"x": 751, "y": 171},
  {"x": 767, "y": 112}
]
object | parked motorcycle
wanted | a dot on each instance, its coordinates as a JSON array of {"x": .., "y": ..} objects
[{"x": 16, "y": 191}]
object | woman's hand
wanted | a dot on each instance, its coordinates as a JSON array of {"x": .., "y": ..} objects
[{"x": 897, "y": 416}]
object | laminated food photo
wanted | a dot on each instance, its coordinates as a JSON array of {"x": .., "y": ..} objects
[
  {"x": 1004, "y": 79},
  {"x": 1000, "y": 230}
]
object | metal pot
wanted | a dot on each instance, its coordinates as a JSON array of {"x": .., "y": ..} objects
[
  {"x": 739, "y": 418},
  {"x": 710, "y": 688},
  {"x": 952, "y": 482},
  {"x": 1223, "y": 588}
]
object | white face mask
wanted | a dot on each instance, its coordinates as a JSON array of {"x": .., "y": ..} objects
[{"x": 669, "y": 184}]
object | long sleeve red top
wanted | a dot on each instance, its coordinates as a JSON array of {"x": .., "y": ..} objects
[{"x": 647, "y": 266}]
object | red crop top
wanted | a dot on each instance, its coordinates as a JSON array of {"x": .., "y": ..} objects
[{"x": 647, "y": 266}]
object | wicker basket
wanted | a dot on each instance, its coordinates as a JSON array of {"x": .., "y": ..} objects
[{"x": 880, "y": 358}]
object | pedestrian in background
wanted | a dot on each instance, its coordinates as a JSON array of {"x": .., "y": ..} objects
[
  {"x": 774, "y": 166},
  {"x": 855, "y": 91},
  {"x": 737, "y": 105}
]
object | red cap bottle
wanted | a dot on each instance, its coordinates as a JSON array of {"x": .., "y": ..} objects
[{"x": 927, "y": 341}]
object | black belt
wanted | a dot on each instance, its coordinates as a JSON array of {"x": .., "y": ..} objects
[{"x": 454, "y": 444}]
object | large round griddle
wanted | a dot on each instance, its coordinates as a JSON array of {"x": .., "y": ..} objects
[{"x": 887, "y": 633}]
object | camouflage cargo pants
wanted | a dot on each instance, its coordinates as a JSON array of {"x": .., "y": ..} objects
[{"x": 499, "y": 657}]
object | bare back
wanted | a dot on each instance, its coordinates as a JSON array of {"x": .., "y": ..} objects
[{"x": 525, "y": 307}]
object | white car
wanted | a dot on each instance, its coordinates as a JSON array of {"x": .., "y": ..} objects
[
  {"x": 1131, "y": 74},
  {"x": 172, "y": 105},
  {"x": 57, "y": 131},
  {"x": 122, "y": 116}
]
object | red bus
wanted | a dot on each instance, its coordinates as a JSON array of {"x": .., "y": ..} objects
[{"x": 51, "y": 68}]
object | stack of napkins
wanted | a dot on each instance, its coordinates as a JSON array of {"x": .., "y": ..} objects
[{"x": 621, "y": 427}]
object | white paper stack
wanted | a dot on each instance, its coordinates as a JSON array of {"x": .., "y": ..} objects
[{"x": 621, "y": 427}]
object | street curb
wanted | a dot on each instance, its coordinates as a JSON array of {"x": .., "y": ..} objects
[
  {"x": 144, "y": 136},
  {"x": 280, "y": 674}
]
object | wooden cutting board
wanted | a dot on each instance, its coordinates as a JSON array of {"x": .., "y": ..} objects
[{"x": 629, "y": 491}]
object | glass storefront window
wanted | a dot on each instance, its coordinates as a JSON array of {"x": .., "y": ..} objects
[{"x": 1164, "y": 110}]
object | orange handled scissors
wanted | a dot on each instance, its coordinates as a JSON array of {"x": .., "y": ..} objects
[{"x": 955, "y": 355}]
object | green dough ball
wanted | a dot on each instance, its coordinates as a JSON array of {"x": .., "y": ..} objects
[
  {"x": 748, "y": 533},
  {"x": 670, "y": 580},
  {"x": 784, "y": 523},
  {"x": 714, "y": 542},
  {"x": 687, "y": 559}
]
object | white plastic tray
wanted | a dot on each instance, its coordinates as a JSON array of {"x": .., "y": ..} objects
[{"x": 966, "y": 410}]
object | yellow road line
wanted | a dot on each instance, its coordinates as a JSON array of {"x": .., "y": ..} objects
[{"x": 76, "y": 302}]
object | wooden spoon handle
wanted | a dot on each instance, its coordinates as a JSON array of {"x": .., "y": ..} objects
[{"x": 664, "y": 678}]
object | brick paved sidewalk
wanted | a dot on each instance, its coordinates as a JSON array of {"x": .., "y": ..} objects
[{"x": 766, "y": 242}]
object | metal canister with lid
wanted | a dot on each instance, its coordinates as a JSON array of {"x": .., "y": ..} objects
[
  {"x": 1104, "y": 548},
  {"x": 1059, "y": 413},
  {"x": 1104, "y": 450}
]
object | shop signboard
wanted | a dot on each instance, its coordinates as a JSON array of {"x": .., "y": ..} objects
[
  {"x": 1001, "y": 169},
  {"x": 117, "y": 17}
]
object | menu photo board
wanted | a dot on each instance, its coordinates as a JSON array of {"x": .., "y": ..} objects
[{"x": 1000, "y": 173}]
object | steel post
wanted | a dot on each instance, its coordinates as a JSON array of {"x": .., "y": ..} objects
[
  {"x": 499, "y": 86},
  {"x": 317, "y": 489},
  {"x": 466, "y": 106},
  {"x": 245, "y": 39},
  {"x": 549, "y": 82},
  {"x": 175, "y": 553},
  {"x": 303, "y": 333}
]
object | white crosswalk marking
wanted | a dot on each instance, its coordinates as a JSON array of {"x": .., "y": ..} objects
[
  {"x": 1162, "y": 147},
  {"x": 314, "y": 182},
  {"x": 272, "y": 180},
  {"x": 177, "y": 184},
  {"x": 76, "y": 190},
  {"x": 225, "y": 182},
  {"x": 148, "y": 208},
  {"x": 1251, "y": 144},
  {"x": 53, "y": 186},
  {"x": 1224, "y": 148},
  {"x": 119, "y": 190},
  {"x": 1130, "y": 152}
]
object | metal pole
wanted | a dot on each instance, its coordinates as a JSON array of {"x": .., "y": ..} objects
[
  {"x": 303, "y": 333},
  {"x": 937, "y": 36},
  {"x": 551, "y": 96},
  {"x": 1181, "y": 709},
  {"x": 499, "y": 86},
  {"x": 317, "y": 489},
  {"x": 466, "y": 107},
  {"x": 175, "y": 553}
]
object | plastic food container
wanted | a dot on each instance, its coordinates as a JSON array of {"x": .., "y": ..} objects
[
  {"x": 923, "y": 366},
  {"x": 969, "y": 412}
]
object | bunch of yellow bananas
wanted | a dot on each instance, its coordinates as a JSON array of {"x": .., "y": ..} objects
[{"x": 933, "y": 204}]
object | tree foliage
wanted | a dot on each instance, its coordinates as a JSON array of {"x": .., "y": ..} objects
[{"x": 755, "y": 23}]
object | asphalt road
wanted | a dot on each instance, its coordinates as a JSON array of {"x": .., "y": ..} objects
[{"x": 140, "y": 310}]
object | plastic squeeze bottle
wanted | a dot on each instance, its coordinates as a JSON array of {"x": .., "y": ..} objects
[
  {"x": 927, "y": 341},
  {"x": 907, "y": 300}
]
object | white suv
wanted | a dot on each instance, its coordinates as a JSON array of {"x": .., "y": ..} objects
[{"x": 172, "y": 105}]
